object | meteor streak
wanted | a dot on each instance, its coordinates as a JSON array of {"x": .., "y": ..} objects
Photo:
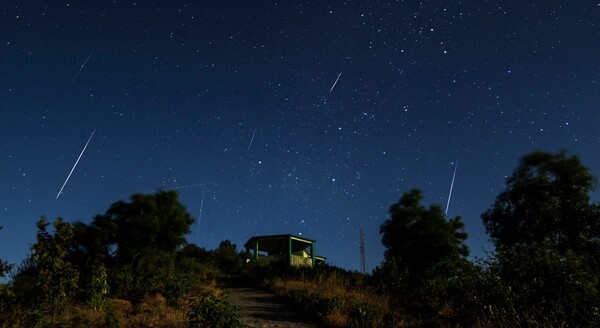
[
  {"x": 251, "y": 139},
  {"x": 85, "y": 62},
  {"x": 336, "y": 81},
  {"x": 200, "y": 214},
  {"x": 77, "y": 161},
  {"x": 451, "y": 186}
]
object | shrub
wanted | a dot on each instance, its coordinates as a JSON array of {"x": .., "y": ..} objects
[
  {"x": 111, "y": 316},
  {"x": 211, "y": 311},
  {"x": 365, "y": 315},
  {"x": 57, "y": 278}
]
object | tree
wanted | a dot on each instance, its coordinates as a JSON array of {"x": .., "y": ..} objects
[
  {"x": 547, "y": 236},
  {"x": 546, "y": 202},
  {"x": 5, "y": 291},
  {"x": 419, "y": 239},
  {"x": 90, "y": 255},
  {"x": 425, "y": 258},
  {"x": 139, "y": 241},
  {"x": 149, "y": 223},
  {"x": 226, "y": 257},
  {"x": 57, "y": 278},
  {"x": 5, "y": 267}
]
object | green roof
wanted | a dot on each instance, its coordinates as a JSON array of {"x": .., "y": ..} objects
[
  {"x": 272, "y": 243},
  {"x": 283, "y": 236}
]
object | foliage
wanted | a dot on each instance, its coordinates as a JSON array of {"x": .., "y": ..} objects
[
  {"x": 192, "y": 251},
  {"x": 425, "y": 257},
  {"x": 226, "y": 257},
  {"x": 5, "y": 292},
  {"x": 316, "y": 303},
  {"x": 419, "y": 238},
  {"x": 135, "y": 253},
  {"x": 135, "y": 243},
  {"x": 547, "y": 236},
  {"x": 211, "y": 311},
  {"x": 546, "y": 203},
  {"x": 387, "y": 276},
  {"x": 365, "y": 315},
  {"x": 5, "y": 267},
  {"x": 97, "y": 286},
  {"x": 335, "y": 296},
  {"x": 57, "y": 278},
  {"x": 427, "y": 275},
  {"x": 190, "y": 273},
  {"x": 148, "y": 223}
]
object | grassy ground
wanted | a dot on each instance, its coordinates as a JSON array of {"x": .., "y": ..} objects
[
  {"x": 151, "y": 311},
  {"x": 337, "y": 298}
]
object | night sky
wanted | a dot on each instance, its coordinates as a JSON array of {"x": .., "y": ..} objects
[{"x": 236, "y": 105}]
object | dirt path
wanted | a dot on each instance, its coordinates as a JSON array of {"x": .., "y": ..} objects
[{"x": 261, "y": 308}]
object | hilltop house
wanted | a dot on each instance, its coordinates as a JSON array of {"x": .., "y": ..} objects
[{"x": 294, "y": 250}]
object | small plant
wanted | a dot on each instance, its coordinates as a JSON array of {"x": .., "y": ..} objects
[
  {"x": 364, "y": 315},
  {"x": 98, "y": 287},
  {"x": 111, "y": 316},
  {"x": 211, "y": 311}
]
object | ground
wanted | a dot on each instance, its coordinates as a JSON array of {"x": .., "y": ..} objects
[{"x": 261, "y": 308}]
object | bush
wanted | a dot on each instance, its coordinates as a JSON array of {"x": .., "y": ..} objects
[
  {"x": 211, "y": 311},
  {"x": 365, "y": 315},
  {"x": 111, "y": 316}
]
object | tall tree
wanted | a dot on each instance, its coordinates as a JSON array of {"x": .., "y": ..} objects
[
  {"x": 226, "y": 257},
  {"x": 419, "y": 238},
  {"x": 144, "y": 235},
  {"x": 56, "y": 278},
  {"x": 546, "y": 202},
  {"x": 547, "y": 236},
  {"x": 149, "y": 223}
]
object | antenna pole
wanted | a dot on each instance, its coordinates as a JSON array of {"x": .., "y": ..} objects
[{"x": 363, "y": 265}]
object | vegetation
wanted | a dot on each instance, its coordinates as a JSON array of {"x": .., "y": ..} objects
[
  {"x": 425, "y": 254},
  {"x": 544, "y": 272},
  {"x": 547, "y": 237},
  {"x": 5, "y": 267},
  {"x": 132, "y": 267},
  {"x": 213, "y": 312}
]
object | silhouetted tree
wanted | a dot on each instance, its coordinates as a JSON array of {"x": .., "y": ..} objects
[
  {"x": 145, "y": 234},
  {"x": 5, "y": 267},
  {"x": 418, "y": 238},
  {"x": 547, "y": 236},
  {"x": 226, "y": 257},
  {"x": 192, "y": 251},
  {"x": 133, "y": 246},
  {"x": 425, "y": 257},
  {"x": 56, "y": 277},
  {"x": 149, "y": 223}
]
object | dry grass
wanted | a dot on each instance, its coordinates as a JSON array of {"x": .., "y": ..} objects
[
  {"x": 336, "y": 319},
  {"x": 153, "y": 311},
  {"x": 332, "y": 286},
  {"x": 328, "y": 286}
]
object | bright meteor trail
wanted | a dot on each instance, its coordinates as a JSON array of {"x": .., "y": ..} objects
[
  {"x": 81, "y": 68},
  {"x": 334, "y": 83},
  {"x": 451, "y": 186},
  {"x": 77, "y": 161},
  {"x": 252, "y": 139}
]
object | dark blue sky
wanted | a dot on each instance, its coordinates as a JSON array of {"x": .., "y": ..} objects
[{"x": 176, "y": 91}]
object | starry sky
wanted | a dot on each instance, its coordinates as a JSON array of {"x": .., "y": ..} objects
[{"x": 302, "y": 117}]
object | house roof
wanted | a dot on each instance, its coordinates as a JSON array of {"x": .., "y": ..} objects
[
  {"x": 268, "y": 242},
  {"x": 282, "y": 236}
]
